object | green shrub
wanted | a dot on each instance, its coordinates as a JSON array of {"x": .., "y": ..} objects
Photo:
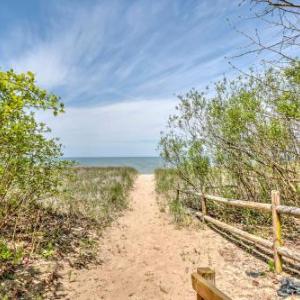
[{"x": 239, "y": 141}]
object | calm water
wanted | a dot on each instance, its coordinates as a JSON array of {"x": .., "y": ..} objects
[{"x": 145, "y": 165}]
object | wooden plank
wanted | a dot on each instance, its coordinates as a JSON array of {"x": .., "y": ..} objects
[
  {"x": 239, "y": 232},
  {"x": 294, "y": 256},
  {"x": 290, "y": 257},
  {"x": 208, "y": 274},
  {"x": 240, "y": 203},
  {"x": 283, "y": 209},
  {"x": 277, "y": 237},
  {"x": 206, "y": 290},
  {"x": 289, "y": 210}
]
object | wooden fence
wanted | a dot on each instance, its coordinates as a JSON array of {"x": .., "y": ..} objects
[
  {"x": 204, "y": 284},
  {"x": 277, "y": 246}
]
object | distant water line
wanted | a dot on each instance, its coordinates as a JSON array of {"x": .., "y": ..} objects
[{"x": 144, "y": 165}]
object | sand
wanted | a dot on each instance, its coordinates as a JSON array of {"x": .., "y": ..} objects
[{"x": 146, "y": 257}]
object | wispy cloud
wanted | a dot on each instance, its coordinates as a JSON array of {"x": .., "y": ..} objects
[
  {"x": 95, "y": 53},
  {"x": 101, "y": 50},
  {"x": 127, "y": 128}
]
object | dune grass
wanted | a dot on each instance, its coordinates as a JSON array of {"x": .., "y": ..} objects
[
  {"x": 166, "y": 181},
  {"x": 97, "y": 193},
  {"x": 63, "y": 228}
]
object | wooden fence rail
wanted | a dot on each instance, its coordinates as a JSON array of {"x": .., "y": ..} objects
[
  {"x": 288, "y": 210},
  {"x": 204, "y": 284},
  {"x": 274, "y": 207}
]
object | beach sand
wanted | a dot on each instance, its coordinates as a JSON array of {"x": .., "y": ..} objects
[{"x": 146, "y": 257}]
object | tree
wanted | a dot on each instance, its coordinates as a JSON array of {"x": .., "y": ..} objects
[
  {"x": 30, "y": 167},
  {"x": 245, "y": 135}
]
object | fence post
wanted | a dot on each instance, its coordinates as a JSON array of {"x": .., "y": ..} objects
[
  {"x": 209, "y": 275},
  {"x": 277, "y": 239},
  {"x": 203, "y": 283},
  {"x": 203, "y": 206}
]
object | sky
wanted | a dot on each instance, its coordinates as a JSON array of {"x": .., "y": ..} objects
[{"x": 119, "y": 65}]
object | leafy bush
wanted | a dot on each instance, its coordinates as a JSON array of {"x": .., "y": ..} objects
[
  {"x": 241, "y": 141},
  {"x": 29, "y": 162}
]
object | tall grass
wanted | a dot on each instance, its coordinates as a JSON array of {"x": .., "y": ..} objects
[
  {"x": 66, "y": 226},
  {"x": 166, "y": 181},
  {"x": 97, "y": 193}
]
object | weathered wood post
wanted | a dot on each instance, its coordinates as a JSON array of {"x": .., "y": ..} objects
[
  {"x": 277, "y": 239},
  {"x": 203, "y": 206},
  {"x": 208, "y": 274},
  {"x": 204, "y": 284}
]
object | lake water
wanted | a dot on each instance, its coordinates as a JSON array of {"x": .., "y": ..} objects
[{"x": 145, "y": 165}]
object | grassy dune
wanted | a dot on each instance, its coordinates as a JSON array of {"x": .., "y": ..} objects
[
  {"x": 97, "y": 193},
  {"x": 63, "y": 228}
]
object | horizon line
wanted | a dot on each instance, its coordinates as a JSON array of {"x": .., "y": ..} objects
[{"x": 126, "y": 156}]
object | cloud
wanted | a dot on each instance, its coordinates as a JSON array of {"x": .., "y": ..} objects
[
  {"x": 113, "y": 62},
  {"x": 127, "y": 128},
  {"x": 46, "y": 63},
  {"x": 103, "y": 51}
]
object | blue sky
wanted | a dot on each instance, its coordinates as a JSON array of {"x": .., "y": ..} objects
[{"x": 118, "y": 65}]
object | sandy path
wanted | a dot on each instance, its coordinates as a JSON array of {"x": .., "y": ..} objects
[{"x": 146, "y": 257}]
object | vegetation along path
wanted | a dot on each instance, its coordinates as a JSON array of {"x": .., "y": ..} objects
[{"x": 146, "y": 257}]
